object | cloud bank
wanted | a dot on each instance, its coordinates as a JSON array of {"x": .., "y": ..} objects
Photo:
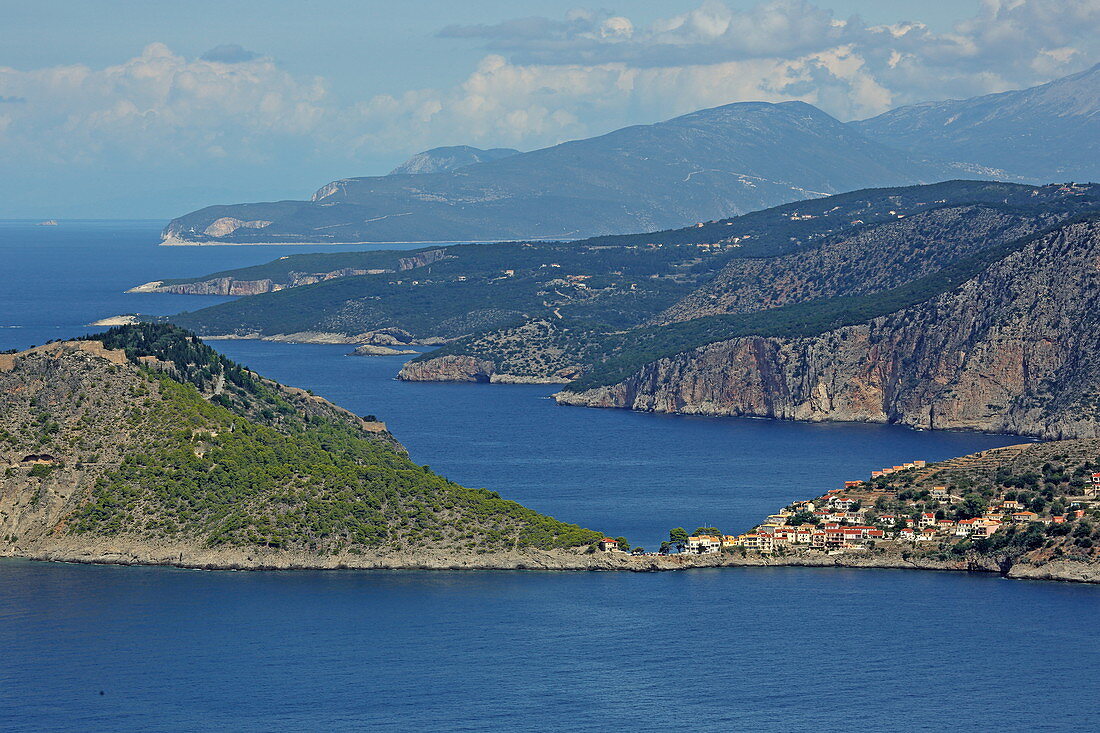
[{"x": 542, "y": 80}]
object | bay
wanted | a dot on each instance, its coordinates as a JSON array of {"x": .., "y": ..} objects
[{"x": 771, "y": 649}]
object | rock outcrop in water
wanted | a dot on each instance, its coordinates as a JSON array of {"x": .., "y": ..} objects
[{"x": 1011, "y": 350}]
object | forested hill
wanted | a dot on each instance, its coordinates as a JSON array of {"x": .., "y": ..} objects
[
  {"x": 145, "y": 438},
  {"x": 602, "y": 283}
]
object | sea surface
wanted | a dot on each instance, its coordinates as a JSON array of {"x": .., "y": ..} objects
[{"x": 785, "y": 649}]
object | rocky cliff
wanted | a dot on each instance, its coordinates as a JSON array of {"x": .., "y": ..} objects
[{"x": 1011, "y": 350}]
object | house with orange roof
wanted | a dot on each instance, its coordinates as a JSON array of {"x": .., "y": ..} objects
[
  {"x": 756, "y": 541},
  {"x": 965, "y": 527},
  {"x": 704, "y": 544},
  {"x": 608, "y": 544},
  {"x": 984, "y": 528}
]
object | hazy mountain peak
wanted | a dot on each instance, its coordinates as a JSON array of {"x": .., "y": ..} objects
[
  {"x": 448, "y": 158},
  {"x": 1043, "y": 133}
]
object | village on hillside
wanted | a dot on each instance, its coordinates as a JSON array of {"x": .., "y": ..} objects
[{"x": 897, "y": 508}]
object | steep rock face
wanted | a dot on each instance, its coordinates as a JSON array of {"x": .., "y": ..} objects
[
  {"x": 450, "y": 368},
  {"x": 1012, "y": 350}
]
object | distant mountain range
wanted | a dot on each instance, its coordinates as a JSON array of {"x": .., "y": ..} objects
[
  {"x": 706, "y": 165},
  {"x": 716, "y": 162},
  {"x": 1045, "y": 133}
]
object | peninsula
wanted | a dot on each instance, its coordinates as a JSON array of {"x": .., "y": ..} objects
[
  {"x": 142, "y": 445},
  {"x": 856, "y": 307}
]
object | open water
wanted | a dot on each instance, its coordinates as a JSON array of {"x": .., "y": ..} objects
[{"x": 150, "y": 649}]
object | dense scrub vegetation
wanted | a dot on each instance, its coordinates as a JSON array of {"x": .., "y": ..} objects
[
  {"x": 205, "y": 472},
  {"x": 628, "y": 279},
  {"x": 628, "y": 352},
  {"x": 189, "y": 446}
]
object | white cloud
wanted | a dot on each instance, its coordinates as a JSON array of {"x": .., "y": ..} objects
[
  {"x": 157, "y": 104},
  {"x": 541, "y": 81}
]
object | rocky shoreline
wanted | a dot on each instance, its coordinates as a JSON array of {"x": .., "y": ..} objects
[{"x": 128, "y": 551}]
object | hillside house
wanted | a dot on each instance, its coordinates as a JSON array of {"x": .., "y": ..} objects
[
  {"x": 704, "y": 544},
  {"x": 607, "y": 544},
  {"x": 756, "y": 541},
  {"x": 984, "y": 528}
]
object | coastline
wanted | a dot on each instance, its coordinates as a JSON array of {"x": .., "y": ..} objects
[
  {"x": 124, "y": 551},
  {"x": 173, "y": 242}
]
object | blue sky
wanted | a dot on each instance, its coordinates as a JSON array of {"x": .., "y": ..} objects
[{"x": 149, "y": 109}]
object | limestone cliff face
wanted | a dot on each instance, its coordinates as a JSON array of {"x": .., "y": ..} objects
[
  {"x": 1015, "y": 349},
  {"x": 450, "y": 368}
]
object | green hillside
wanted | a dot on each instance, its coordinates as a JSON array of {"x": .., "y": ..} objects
[{"x": 181, "y": 444}]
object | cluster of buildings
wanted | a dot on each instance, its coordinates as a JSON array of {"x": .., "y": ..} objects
[
  {"x": 892, "y": 469},
  {"x": 846, "y": 518}
]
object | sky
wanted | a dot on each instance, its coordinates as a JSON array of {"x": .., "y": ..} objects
[{"x": 149, "y": 108}]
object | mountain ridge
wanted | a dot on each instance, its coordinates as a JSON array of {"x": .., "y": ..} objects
[
  {"x": 443, "y": 159},
  {"x": 1020, "y": 131},
  {"x": 709, "y": 163}
]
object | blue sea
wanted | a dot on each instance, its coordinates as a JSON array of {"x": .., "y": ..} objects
[{"x": 151, "y": 649}]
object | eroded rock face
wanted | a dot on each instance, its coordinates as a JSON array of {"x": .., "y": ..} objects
[
  {"x": 1012, "y": 350},
  {"x": 450, "y": 368},
  {"x": 227, "y": 225}
]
